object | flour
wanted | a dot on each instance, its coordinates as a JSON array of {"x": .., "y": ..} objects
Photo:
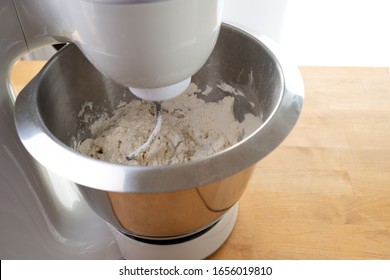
[{"x": 191, "y": 129}]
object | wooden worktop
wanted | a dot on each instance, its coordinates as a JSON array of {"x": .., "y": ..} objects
[{"x": 324, "y": 193}]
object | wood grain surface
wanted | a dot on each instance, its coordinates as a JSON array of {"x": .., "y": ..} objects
[{"x": 324, "y": 193}]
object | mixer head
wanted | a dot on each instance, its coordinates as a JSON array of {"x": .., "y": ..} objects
[{"x": 151, "y": 46}]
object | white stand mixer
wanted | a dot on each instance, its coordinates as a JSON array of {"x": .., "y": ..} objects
[{"x": 93, "y": 209}]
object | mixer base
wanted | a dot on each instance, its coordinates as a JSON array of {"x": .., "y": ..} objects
[{"x": 198, "y": 246}]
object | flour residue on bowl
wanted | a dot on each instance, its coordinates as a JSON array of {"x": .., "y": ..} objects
[{"x": 191, "y": 129}]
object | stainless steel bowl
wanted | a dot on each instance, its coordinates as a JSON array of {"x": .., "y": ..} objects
[{"x": 171, "y": 200}]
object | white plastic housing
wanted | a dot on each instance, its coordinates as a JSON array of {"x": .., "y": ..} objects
[
  {"x": 142, "y": 44},
  {"x": 149, "y": 45}
]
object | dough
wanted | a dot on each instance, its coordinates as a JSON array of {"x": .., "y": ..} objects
[{"x": 191, "y": 129}]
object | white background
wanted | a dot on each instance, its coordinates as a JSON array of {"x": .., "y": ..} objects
[
  {"x": 320, "y": 32},
  {"x": 281, "y": 270}
]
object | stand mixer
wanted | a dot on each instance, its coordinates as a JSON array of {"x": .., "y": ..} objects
[{"x": 56, "y": 203}]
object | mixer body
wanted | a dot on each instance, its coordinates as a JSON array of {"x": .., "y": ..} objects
[
  {"x": 37, "y": 221},
  {"x": 47, "y": 190}
]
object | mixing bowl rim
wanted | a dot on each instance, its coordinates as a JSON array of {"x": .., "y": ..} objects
[{"x": 148, "y": 179}]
